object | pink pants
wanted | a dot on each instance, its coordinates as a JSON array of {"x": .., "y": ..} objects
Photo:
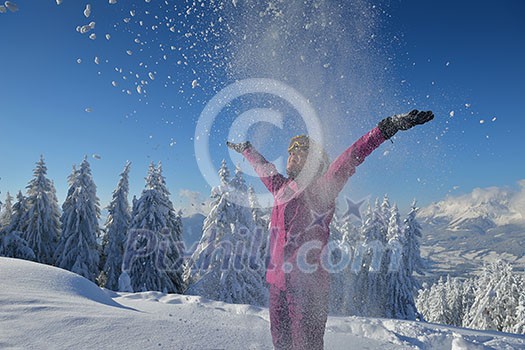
[{"x": 298, "y": 317}]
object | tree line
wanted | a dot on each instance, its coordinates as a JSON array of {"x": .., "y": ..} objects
[{"x": 374, "y": 260}]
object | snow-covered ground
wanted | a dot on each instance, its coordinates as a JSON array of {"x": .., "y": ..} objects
[{"x": 42, "y": 307}]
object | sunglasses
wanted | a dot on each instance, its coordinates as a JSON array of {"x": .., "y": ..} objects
[{"x": 297, "y": 146}]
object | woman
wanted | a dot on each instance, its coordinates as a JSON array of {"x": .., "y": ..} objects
[{"x": 304, "y": 204}]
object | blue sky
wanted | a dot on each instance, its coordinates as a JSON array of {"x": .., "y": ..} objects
[{"x": 355, "y": 63}]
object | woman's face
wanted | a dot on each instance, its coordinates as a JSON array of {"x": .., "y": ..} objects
[{"x": 296, "y": 160}]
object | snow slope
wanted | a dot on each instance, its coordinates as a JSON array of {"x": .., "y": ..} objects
[{"x": 42, "y": 307}]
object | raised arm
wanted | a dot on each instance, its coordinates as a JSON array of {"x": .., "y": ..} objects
[
  {"x": 344, "y": 166},
  {"x": 266, "y": 170}
]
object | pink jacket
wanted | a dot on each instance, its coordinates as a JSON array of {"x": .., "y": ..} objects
[{"x": 303, "y": 221}]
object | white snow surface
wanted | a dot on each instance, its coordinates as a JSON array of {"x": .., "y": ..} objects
[{"x": 43, "y": 307}]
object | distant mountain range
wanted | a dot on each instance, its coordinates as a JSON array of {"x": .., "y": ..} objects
[{"x": 461, "y": 233}]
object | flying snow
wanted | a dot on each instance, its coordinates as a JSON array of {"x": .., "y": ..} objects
[
  {"x": 11, "y": 6},
  {"x": 87, "y": 11},
  {"x": 86, "y": 28}
]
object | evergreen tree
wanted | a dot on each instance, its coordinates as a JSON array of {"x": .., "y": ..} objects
[
  {"x": 384, "y": 211},
  {"x": 43, "y": 216},
  {"x": 18, "y": 218},
  {"x": 437, "y": 304},
  {"x": 350, "y": 241},
  {"x": 117, "y": 226},
  {"x": 7, "y": 211},
  {"x": 227, "y": 263},
  {"x": 412, "y": 252},
  {"x": 259, "y": 216},
  {"x": 77, "y": 249},
  {"x": 12, "y": 245},
  {"x": 379, "y": 281},
  {"x": 153, "y": 251},
  {"x": 494, "y": 300},
  {"x": 400, "y": 284},
  {"x": 519, "y": 327},
  {"x": 339, "y": 251},
  {"x": 497, "y": 299},
  {"x": 370, "y": 289}
]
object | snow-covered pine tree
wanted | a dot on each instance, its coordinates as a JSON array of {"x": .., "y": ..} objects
[
  {"x": 455, "y": 291},
  {"x": 436, "y": 310},
  {"x": 441, "y": 302},
  {"x": 371, "y": 281},
  {"x": 384, "y": 211},
  {"x": 412, "y": 252},
  {"x": 78, "y": 250},
  {"x": 262, "y": 224},
  {"x": 400, "y": 302},
  {"x": 519, "y": 327},
  {"x": 7, "y": 211},
  {"x": 339, "y": 251},
  {"x": 18, "y": 219},
  {"x": 117, "y": 225},
  {"x": 12, "y": 245},
  {"x": 497, "y": 299},
  {"x": 43, "y": 216},
  {"x": 259, "y": 216},
  {"x": 226, "y": 265},
  {"x": 350, "y": 240},
  {"x": 153, "y": 255}
]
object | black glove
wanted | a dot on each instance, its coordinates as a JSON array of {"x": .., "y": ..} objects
[
  {"x": 389, "y": 126},
  {"x": 239, "y": 147}
]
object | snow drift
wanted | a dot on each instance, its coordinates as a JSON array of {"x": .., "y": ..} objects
[{"x": 42, "y": 307}]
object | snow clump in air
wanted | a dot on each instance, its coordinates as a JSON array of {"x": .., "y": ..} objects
[
  {"x": 11, "y": 6},
  {"x": 87, "y": 11}
]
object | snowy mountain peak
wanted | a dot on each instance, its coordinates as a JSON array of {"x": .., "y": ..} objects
[{"x": 480, "y": 210}]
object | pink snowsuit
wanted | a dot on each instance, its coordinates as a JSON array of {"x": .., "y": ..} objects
[{"x": 299, "y": 285}]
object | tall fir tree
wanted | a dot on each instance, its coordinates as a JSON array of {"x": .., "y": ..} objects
[
  {"x": 400, "y": 282},
  {"x": 412, "y": 232},
  {"x": 227, "y": 264},
  {"x": 78, "y": 249},
  {"x": 43, "y": 216},
  {"x": 12, "y": 243},
  {"x": 7, "y": 211},
  {"x": 153, "y": 254},
  {"x": 117, "y": 225}
]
